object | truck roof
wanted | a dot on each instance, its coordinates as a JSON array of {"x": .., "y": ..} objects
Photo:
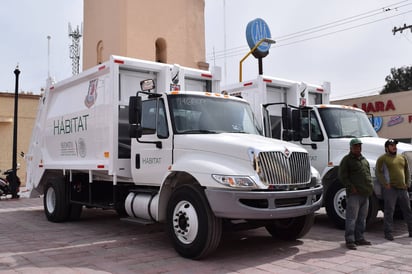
[{"x": 338, "y": 106}]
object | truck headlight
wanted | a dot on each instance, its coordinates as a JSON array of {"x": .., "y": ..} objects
[
  {"x": 315, "y": 179},
  {"x": 235, "y": 181}
]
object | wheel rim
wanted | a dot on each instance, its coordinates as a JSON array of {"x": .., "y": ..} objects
[
  {"x": 185, "y": 222},
  {"x": 339, "y": 203},
  {"x": 51, "y": 200}
]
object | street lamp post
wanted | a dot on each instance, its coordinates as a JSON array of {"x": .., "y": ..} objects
[
  {"x": 267, "y": 40},
  {"x": 14, "y": 179}
]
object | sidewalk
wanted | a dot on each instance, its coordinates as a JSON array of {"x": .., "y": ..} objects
[{"x": 101, "y": 243}]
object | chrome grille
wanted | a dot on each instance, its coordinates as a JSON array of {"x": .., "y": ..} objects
[{"x": 275, "y": 168}]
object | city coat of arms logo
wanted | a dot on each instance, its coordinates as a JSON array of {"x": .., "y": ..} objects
[{"x": 91, "y": 93}]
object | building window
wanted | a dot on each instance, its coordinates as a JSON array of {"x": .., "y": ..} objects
[
  {"x": 99, "y": 50},
  {"x": 161, "y": 50}
]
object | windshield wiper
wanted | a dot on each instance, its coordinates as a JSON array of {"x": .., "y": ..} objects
[{"x": 197, "y": 131}]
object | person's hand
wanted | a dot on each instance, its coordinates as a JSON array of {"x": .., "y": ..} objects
[{"x": 387, "y": 186}]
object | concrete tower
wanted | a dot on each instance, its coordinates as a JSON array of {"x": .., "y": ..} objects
[{"x": 169, "y": 31}]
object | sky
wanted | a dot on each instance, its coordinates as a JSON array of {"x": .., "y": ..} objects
[{"x": 347, "y": 43}]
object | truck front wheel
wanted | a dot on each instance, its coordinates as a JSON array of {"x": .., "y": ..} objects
[
  {"x": 335, "y": 204},
  {"x": 291, "y": 228},
  {"x": 55, "y": 200},
  {"x": 193, "y": 228}
]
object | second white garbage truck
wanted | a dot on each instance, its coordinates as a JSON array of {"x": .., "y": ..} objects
[
  {"x": 193, "y": 160},
  {"x": 301, "y": 113}
]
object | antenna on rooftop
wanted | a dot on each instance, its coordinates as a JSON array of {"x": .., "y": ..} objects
[{"x": 75, "y": 35}]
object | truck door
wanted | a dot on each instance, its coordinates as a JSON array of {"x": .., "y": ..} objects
[
  {"x": 129, "y": 84},
  {"x": 273, "y": 117},
  {"x": 152, "y": 153},
  {"x": 313, "y": 139}
]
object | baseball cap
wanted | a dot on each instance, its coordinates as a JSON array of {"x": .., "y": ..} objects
[
  {"x": 390, "y": 142},
  {"x": 355, "y": 141}
]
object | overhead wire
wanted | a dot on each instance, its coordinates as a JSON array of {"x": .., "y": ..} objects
[
  {"x": 241, "y": 49},
  {"x": 345, "y": 20},
  {"x": 365, "y": 92},
  {"x": 341, "y": 30}
]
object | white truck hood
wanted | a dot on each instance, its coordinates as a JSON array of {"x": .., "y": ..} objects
[
  {"x": 224, "y": 153},
  {"x": 235, "y": 145},
  {"x": 372, "y": 148}
]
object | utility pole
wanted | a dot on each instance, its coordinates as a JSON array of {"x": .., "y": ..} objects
[
  {"x": 401, "y": 29},
  {"x": 49, "y": 80}
]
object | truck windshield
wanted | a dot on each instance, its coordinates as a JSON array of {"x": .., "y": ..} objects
[
  {"x": 192, "y": 114},
  {"x": 346, "y": 123}
]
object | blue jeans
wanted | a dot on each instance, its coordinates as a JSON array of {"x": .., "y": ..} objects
[
  {"x": 391, "y": 196},
  {"x": 356, "y": 212}
]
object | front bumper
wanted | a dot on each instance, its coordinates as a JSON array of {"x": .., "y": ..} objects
[{"x": 264, "y": 205}]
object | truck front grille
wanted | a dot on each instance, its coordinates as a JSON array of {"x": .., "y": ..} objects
[{"x": 276, "y": 168}]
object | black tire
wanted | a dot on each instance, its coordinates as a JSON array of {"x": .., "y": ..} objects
[
  {"x": 55, "y": 201},
  {"x": 75, "y": 211},
  {"x": 335, "y": 204},
  {"x": 291, "y": 229},
  {"x": 121, "y": 211},
  {"x": 4, "y": 189},
  {"x": 192, "y": 227},
  {"x": 373, "y": 210}
]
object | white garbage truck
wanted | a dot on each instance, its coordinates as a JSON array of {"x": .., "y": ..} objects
[
  {"x": 129, "y": 135},
  {"x": 302, "y": 113}
]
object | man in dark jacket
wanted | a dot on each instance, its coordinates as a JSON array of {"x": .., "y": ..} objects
[{"x": 354, "y": 173}]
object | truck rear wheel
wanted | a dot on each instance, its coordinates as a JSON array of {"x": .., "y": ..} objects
[
  {"x": 291, "y": 228},
  {"x": 75, "y": 211},
  {"x": 193, "y": 228},
  {"x": 55, "y": 201}
]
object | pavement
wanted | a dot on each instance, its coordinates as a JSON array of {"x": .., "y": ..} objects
[{"x": 102, "y": 243}]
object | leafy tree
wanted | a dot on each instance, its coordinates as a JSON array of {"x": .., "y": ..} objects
[{"x": 399, "y": 80}]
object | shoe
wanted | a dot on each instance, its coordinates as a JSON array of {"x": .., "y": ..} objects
[
  {"x": 363, "y": 242},
  {"x": 351, "y": 245},
  {"x": 389, "y": 237}
]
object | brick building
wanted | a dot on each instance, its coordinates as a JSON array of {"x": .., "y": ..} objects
[
  {"x": 392, "y": 113},
  {"x": 27, "y": 111}
]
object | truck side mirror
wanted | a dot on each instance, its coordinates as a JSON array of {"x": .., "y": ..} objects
[
  {"x": 135, "y": 110},
  {"x": 286, "y": 135},
  {"x": 135, "y": 117},
  {"x": 135, "y": 131},
  {"x": 296, "y": 125},
  {"x": 286, "y": 118}
]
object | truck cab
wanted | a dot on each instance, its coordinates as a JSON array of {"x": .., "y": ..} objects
[{"x": 301, "y": 113}]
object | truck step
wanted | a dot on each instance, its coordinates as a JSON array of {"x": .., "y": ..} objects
[{"x": 138, "y": 221}]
